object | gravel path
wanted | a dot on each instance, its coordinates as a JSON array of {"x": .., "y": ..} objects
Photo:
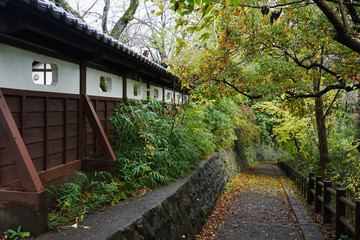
[{"x": 262, "y": 211}]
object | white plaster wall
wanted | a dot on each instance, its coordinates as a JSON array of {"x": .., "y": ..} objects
[
  {"x": 166, "y": 96},
  {"x": 130, "y": 89},
  {"x": 16, "y": 71},
  {"x": 160, "y": 95},
  {"x": 178, "y": 97},
  {"x": 93, "y": 84}
]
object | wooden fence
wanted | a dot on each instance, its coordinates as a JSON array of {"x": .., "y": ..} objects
[{"x": 328, "y": 202}]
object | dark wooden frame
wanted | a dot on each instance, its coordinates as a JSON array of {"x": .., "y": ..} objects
[{"x": 14, "y": 194}]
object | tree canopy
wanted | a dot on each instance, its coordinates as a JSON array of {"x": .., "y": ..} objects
[{"x": 262, "y": 50}]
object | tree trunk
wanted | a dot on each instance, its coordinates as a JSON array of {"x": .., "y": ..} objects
[
  {"x": 321, "y": 127},
  {"x": 125, "y": 19},
  {"x": 105, "y": 16},
  {"x": 296, "y": 142}
]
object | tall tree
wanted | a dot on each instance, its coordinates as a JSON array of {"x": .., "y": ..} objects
[
  {"x": 121, "y": 24},
  {"x": 117, "y": 27}
]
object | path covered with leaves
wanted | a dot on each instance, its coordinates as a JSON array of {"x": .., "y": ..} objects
[{"x": 253, "y": 206}]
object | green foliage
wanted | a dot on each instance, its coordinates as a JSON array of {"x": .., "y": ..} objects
[
  {"x": 18, "y": 234},
  {"x": 156, "y": 143},
  {"x": 297, "y": 135},
  {"x": 84, "y": 195},
  {"x": 152, "y": 145},
  {"x": 343, "y": 237}
]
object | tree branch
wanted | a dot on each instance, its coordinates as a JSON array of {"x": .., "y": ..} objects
[
  {"x": 105, "y": 16},
  {"x": 325, "y": 90},
  {"x": 238, "y": 90},
  {"x": 314, "y": 65},
  {"x": 125, "y": 19},
  {"x": 342, "y": 35},
  {"x": 327, "y": 111}
]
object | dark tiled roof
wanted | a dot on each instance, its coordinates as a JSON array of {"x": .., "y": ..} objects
[{"x": 61, "y": 15}]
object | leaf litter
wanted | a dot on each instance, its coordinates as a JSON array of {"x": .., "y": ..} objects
[{"x": 260, "y": 204}]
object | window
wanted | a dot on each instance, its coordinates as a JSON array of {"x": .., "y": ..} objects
[
  {"x": 105, "y": 84},
  {"x": 137, "y": 90},
  {"x": 44, "y": 73},
  {"x": 156, "y": 93},
  {"x": 169, "y": 97}
]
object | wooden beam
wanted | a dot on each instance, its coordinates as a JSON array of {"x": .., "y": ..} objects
[
  {"x": 99, "y": 165},
  {"x": 60, "y": 171},
  {"x": 11, "y": 26},
  {"x": 98, "y": 129},
  {"x": 17, "y": 150},
  {"x": 52, "y": 174},
  {"x": 30, "y": 201}
]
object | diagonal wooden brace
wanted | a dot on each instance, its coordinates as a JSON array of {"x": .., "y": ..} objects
[
  {"x": 14, "y": 143},
  {"x": 98, "y": 129}
]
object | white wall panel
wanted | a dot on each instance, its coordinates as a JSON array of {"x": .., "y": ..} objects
[
  {"x": 93, "y": 84},
  {"x": 141, "y": 89},
  {"x": 169, "y": 96},
  {"x": 16, "y": 71},
  {"x": 178, "y": 97},
  {"x": 159, "y": 91}
]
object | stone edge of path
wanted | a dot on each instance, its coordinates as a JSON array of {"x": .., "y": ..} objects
[{"x": 306, "y": 223}]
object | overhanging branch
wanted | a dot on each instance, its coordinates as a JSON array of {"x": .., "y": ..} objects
[
  {"x": 324, "y": 91},
  {"x": 342, "y": 35},
  {"x": 238, "y": 90}
]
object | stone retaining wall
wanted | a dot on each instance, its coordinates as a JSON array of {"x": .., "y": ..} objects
[{"x": 183, "y": 214}]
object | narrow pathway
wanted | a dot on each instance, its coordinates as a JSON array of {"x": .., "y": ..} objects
[{"x": 259, "y": 210}]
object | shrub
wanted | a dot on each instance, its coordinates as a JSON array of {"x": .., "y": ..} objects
[
  {"x": 82, "y": 196},
  {"x": 154, "y": 144}
]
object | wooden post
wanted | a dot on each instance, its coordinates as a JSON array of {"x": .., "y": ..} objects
[
  {"x": 15, "y": 145},
  {"x": 148, "y": 97},
  {"x": 357, "y": 220},
  {"x": 174, "y": 94},
  {"x": 66, "y": 104},
  {"x": 82, "y": 120},
  {"x": 327, "y": 201},
  {"x": 124, "y": 86},
  {"x": 340, "y": 212},
  {"x": 318, "y": 193},
  {"x": 302, "y": 184},
  {"x": 310, "y": 196},
  {"x": 163, "y": 95}
]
